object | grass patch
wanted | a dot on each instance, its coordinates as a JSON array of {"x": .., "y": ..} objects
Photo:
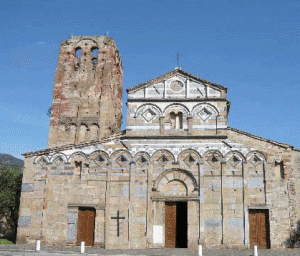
[{"x": 5, "y": 241}]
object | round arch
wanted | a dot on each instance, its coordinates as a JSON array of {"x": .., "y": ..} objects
[
  {"x": 202, "y": 105},
  {"x": 62, "y": 155},
  {"x": 160, "y": 152},
  {"x": 232, "y": 153},
  {"x": 78, "y": 153},
  {"x": 176, "y": 105},
  {"x": 143, "y": 107},
  {"x": 41, "y": 160},
  {"x": 177, "y": 174}
]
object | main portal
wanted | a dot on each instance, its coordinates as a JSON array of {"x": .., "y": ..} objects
[{"x": 176, "y": 225}]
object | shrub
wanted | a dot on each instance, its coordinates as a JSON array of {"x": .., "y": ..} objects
[{"x": 5, "y": 241}]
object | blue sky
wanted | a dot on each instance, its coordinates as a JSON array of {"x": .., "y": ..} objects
[{"x": 252, "y": 47}]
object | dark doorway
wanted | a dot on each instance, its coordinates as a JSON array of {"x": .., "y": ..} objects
[
  {"x": 176, "y": 224},
  {"x": 259, "y": 227},
  {"x": 86, "y": 225}
]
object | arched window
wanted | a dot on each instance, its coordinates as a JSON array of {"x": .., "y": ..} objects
[
  {"x": 176, "y": 120},
  {"x": 94, "y": 61},
  {"x": 72, "y": 133},
  {"x": 94, "y": 130},
  {"x": 83, "y": 132},
  {"x": 78, "y": 52},
  {"x": 95, "y": 52}
]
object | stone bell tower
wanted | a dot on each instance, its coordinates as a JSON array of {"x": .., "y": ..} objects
[{"x": 87, "y": 95}]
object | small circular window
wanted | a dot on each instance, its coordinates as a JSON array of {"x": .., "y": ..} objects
[{"x": 176, "y": 86}]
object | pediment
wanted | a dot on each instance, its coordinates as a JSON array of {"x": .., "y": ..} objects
[{"x": 176, "y": 84}]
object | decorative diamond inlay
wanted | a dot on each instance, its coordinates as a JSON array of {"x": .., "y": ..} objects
[
  {"x": 142, "y": 161},
  {"x": 121, "y": 160},
  {"x": 163, "y": 160},
  {"x": 234, "y": 161},
  {"x": 189, "y": 160},
  {"x": 42, "y": 161},
  {"x": 58, "y": 161},
  {"x": 204, "y": 114},
  {"x": 255, "y": 160},
  {"x": 98, "y": 159},
  {"x": 148, "y": 115},
  {"x": 213, "y": 160}
]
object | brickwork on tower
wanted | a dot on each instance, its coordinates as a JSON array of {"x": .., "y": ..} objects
[{"x": 87, "y": 95}]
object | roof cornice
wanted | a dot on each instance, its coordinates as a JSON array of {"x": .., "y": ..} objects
[
  {"x": 116, "y": 137},
  {"x": 279, "y": 144},
  {"x": 174, "y": 72},
  {"x": 178, "y": 100}
]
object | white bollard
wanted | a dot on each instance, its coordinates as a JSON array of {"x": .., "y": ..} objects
[
  {"x": 255, "y": 250},
  {"x": 200, "y": 250},
  {"x": 38, "y": 245},
  {"x": 82, "y": 247}
]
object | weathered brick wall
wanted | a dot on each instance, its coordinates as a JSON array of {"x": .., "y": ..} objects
[{"x": 87, "y": 94}]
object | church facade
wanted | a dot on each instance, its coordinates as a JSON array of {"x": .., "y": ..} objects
[{"x": 178, "y": 176}]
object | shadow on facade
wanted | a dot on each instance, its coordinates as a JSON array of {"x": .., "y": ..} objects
[{"x": 294, "y": 240}]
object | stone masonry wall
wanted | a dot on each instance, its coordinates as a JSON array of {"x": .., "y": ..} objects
[
  {"x": 137, "y": 180},
  {"x": 282, "y": 180}
]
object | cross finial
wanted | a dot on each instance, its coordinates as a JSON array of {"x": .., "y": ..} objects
[{"x": 178, "y": 54}]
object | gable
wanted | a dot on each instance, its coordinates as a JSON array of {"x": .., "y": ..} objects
[{"x": 175, "y": 86}]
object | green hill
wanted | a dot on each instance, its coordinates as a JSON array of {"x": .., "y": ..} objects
[{"x": 9, "y": 159}]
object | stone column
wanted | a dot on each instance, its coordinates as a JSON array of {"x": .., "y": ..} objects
[
  {"x": 107, "y": 206},
  {"x": 246, "y": 203},
  {"x": 243, "y": 191},
  {"x": 201, "y": 196},
  {"x": 162, "y": 125},
  {"x": 132, "y": 171},
  {"x": 150, "y": 206},
  {"x": 187, "y": 88},
  {"x": 193, "y": 224},
  {"x": 190, "y": 125}
]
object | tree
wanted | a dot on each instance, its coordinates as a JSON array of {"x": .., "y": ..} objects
[{"x": 10, "y": 192}]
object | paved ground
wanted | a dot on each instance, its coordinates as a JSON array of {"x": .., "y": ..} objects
[{"x": 27, "y": 250}]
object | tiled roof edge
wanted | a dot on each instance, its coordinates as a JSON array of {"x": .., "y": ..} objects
[
  {"x": 71, "y": 146},
  {"x": 284, "y": 145}
]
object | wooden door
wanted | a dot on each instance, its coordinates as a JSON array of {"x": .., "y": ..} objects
[
  {"x": 170, "y": 224},
  {"x": 86, "y": 225},
  {"x": 259, "y": 228}
]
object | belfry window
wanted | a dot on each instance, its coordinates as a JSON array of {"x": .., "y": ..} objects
[
  {"x": 78, "y": 52},
  {"x": 95, "y": 52},
  {"x": 94, "y": 61},
  {"x": 176, "y": 120}
]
